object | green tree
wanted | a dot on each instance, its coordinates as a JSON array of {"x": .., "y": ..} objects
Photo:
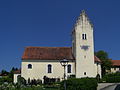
[
  {"x": 4, "y": 72},
  {"x": 106, "y": 62},
  {"x": 11, "y": 73}
]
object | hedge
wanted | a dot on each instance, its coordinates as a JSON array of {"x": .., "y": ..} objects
[
  {"x": 79, "y": 84},
  {"x": 112, "y": 78}
]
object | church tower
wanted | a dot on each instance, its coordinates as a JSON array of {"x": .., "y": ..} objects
[{"x": 83, "y": 47}]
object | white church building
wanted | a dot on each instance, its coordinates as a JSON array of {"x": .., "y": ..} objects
[{"x": 38, "y": 62}]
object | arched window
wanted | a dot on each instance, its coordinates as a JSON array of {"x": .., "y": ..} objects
[
  {"x": 29, "y": 66},
  {"x": 49, "y": 68},
  {"x": 69, "y": 68}
]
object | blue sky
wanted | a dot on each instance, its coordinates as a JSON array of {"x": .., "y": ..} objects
[{"x": 49, "y": 23}]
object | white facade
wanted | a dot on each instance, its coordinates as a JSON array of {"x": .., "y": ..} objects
[
  {"x": 84, "y": 64},
  {"x": 97, "y": 69},
  {"x": 115, "y": 69},
  {"x": 40, "y": 69},
  {"x": 83, "y": 47}
]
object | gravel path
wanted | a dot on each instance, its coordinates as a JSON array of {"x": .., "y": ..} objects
[{"x": 108, "y": 86}]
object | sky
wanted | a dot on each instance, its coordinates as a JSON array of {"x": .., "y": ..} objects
[{"x": 49, "y": 23}]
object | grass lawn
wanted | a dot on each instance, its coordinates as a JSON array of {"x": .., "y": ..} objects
[
  {"x": 31, "y": 88},
  {"x": 36, "y": 89}
]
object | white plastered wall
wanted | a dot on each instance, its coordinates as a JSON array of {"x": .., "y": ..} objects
[
  {"x": 115, "y": 69},
  {"x": 98, "y": 69},
  {"x": 15, "y": 78},
  {"x": 39, "y": 69},
  {"x": 84, "y": 58}
]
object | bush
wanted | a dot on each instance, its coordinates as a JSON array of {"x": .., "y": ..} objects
[
  {"x": 5, "y": 79},
  {"x": 98, "y": 77},
  {"x": 49, "y": 81},
  {"x": 79, "y": 84},
  {"x": 38, "y": 81},
  {"x": 34, "y": 81},
  {"x": 71, "y": 76},
  {"x": 112, "y": 78},
  {"x": 21, "y": 80}
]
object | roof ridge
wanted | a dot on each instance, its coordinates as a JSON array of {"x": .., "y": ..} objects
[
  {"x": 115, "y": 60},
  {"x": 45, "y": 47}
]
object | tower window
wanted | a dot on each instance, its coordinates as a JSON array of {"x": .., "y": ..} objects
[
  {"x": 84, "y": 36},
  {"x": 84, "y": 73},
  {"x": 85, "y": 56},
  {"x": 69, "y": 68},
  {"x": 49, "y": 68},
  {"x": 29, "y": 66}
]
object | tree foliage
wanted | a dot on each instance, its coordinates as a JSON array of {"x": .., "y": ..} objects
[
  {"x": 79, "y": 84},
  {"x": 7, "y": 76},
  {"x": 11, "y": 73},
  {"x": 4, "y": 72},
  {"x": 106, "y": 62}
]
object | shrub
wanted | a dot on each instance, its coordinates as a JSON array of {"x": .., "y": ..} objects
[
  {"x": 71, "y": 76},
  {"x": 5, "y": 79},
  {"x": 29, "y": 82},
  {"x": 49, "y": 81},
  {"x": 79, "y": 84},
  {"x": 112, "y": 78},
  {"x": 34, "y": 81},
  {"x": 21, "y": 80},
  {"x": 98, "y": 78},
  {"x": 39, "y": 81}
]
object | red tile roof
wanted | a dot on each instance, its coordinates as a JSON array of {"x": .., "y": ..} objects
[
  {"x": 97, "y": 59},
  {"x": 49, "y": 53},
  {"x": 115, "y": 62}
]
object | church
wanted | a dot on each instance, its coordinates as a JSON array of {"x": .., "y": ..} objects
[{"x": 38, "y": 62}]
